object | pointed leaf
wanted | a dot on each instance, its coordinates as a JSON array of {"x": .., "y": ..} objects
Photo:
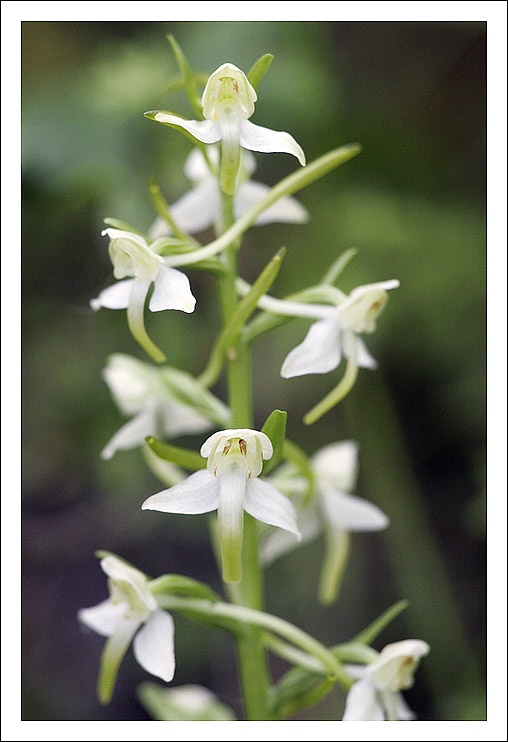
[
  {"x": 371, "y": 631},
  {"x": 259, "y": 69},
  {"x": 181, "y": 456},
  {"x": 188, "y": 76},
  {"x": 275, "y": 429}
]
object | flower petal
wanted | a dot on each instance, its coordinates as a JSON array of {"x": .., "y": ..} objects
[
  {"x": 199, "y": 493},
  {"x": 206, "y": 131},
  {"x": 286, "y": 209},
  {"x": 132, "y": 434},
  {"x": 115, "y": 296},
  {"x": 172, "y": 291},
  {"x": 337, "y": 463},
  {"x": 362, "y": 703},
  {"x": 178, "y": 419},
  {"x": 278, "y": 543},
  {"x": 350, "y": 513},
  {"x": 402, "y": 710},
  {"x": 265, "y": 503},
  {"x": 317, "y": 354},
  {"x": 102, "y": 618},
  {"x": 363, "y": 357},
  {"x": 261, "y": 139},
  {"x": 154, "y": 646},
  {"x": 199, "y": 208},
  {"x": 113, "y": 654}
]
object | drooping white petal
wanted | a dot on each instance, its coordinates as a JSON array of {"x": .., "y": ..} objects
[
  {"x": 363, "y": 357},
  {"x": 362, "y": 703},
  {"x": 337, "y": 463},
  {"x": 153, "y": 646},
  {"x": 196, "y": 167},
  {"x": 178, "y": 419},
  {"x": 278, "y": 542},
  {"x": 265, "y": 503},
  {"x": 402, "y": 710},
  {"x": 102, "y": 618},
  {"x": 317, "y": 354},
  {"x": 130, "y": 382},
  {"x": 198, "y": 209},
  {"x": 286, "y": 209},
  {"x": 172, "y": 291},
  {"x": 260, "y": 139},
  {"x": 132, "y": 434},
  {"x": 350, "y": 513},
  {"x": 112, "y": 655},
  {"x": 232, "y": 484},
  {"x": 199, "y": 493},
  {"x": 206, "y": 131},
  {"x": 115, "y": 296}
]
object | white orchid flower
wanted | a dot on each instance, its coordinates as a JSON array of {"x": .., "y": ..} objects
[
  {"x": 201, "y": 207},
  {"x": 130, "y": 614},
  {"x": 183, "y": 703},
  {"x": 336, "y": 332},
  {"x": 228, "y": 103},
  {"x": 230, "y": 485},
  {"x": 376, "y": 695},
  {"x": 132, "y": 257},
  {"x": 162, "y": 401},
  {"x": 334, "y": 512}
]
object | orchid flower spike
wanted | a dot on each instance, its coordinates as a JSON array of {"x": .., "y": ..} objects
[
  {"x": 131, "y": 611},
  {"x": 201, "y": 207},
  {"x": 133, "y": 257},
  {"x": 376, "y": 695},
  {"x": 162, "y": 401},
  {"x": 230, "y": 485},
  {"x": 334, "y": 512},
  {"x": 228, "y": 103}
]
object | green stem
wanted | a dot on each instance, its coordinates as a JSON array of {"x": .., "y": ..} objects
[{"x": 252, "y": 660}]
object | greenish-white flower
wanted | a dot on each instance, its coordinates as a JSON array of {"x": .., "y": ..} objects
[
  {"x": 130, "y": 614},
  {"x": 201, "y": 207},
  {"x": 376, "y": 695},
  {"x": 230, "y": 484},
  {"x": 162, "y": 401},
  {"x": 228, "y": 103},
  {"x": 337, "y": 331},
  {"x": 137, "y": 266},
  {"x": 333, "y": 511}
]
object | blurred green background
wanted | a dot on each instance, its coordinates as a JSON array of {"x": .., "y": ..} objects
[{"x": 413, "y": 203}]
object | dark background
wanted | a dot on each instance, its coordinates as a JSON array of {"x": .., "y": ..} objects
[{"x": 413, "y": 203}]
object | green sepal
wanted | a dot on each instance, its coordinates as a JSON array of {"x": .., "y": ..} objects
[
  {"x": 275, "y": 429},
  {"x": 119, "y": 224},
  {"x": 259, "y": 69},
  {"x": 189, "y": 78},
  {"x": 161, "y": 706},
  {"x": 181, "y": 585},
  {"x": 180, "y": 456},
  {"x": 371, "y": 631}
]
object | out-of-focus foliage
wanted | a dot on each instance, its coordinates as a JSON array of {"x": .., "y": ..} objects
[{"x": 413, "y": 203}]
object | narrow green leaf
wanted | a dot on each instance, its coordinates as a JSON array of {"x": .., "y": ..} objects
[
  {"x": 259, "y": 69},
  {"x": 180, "y": 456},
  {"x": 244, "y": 309},
  {"x": 181, "y": 585},
  {"x": 275, "y": 429},
  {"x": 188, "y": 76},
  {"x": 368, "y": 634},
  {"x": 338, "y": 266}
]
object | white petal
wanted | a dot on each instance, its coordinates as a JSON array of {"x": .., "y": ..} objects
[
  {"x": 154, "y": 646},
  {"x": 319, "y": 352},
  {"x": 196, "y": 168},
  {"x": 132, "y": 434},
  {"x": 115, "y": 296},
  {"x": 206, "y": 131},
  {"x": 245, "y": 433},
  {"x": 232, "y": 483},
  {"x": 352, "y": 343},
  {"x": 198, "y": 209},
  {"x": 261, "y": 139},
  {"x": 278, "y": 543},
  {"x": 362, "y": 703},
  {"x": 178, "y": 419},
  {"x": 337, "y": 463},
  {"x": 286, "y": 209},
  {"x": 394, "y": 668},
  {"x": 172, "y": 291},
  {"x": 265, "y": 503},
  {"x": 199, "y": 493},
  {"x": 102, "y": 618},
  {"x": 351, "y": 513},
  {"x": 402, "y": 710}
]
